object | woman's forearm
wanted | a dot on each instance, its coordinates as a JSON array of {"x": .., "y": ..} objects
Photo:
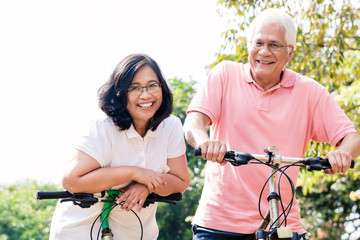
[
  {"x": 177, "y": 179},
  {"x": 173, "y": 185},
  {"x": 99, "y": 179}
]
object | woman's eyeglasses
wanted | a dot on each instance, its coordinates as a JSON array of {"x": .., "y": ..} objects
[{"x": 138, "y": 90}]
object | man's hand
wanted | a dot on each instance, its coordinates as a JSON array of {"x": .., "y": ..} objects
[
  {"x": 340, "y": 162},
  {"x": 213, "y": 150}
]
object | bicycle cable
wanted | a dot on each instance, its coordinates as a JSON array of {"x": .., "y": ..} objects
[
  {"x": 107, "y": 215},
  {"x": 285, "y": 211},
  {"x": 288, "y": 208},
  {"x": 263, "y": 188},
  {"x": 94, "y": 222}
]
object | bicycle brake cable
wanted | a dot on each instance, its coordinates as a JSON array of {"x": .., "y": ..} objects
[
  {"x": 286, "y": 211},
  {"x": 94, "y": 222},
  {"x": 111, "y": 208},
  {"x": 277, "y": 169}
]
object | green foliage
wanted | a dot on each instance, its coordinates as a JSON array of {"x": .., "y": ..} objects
[
  {"x": 326, "y": 33},
  {"x": 175, "y": 221},
  {"x": 328, "y": 50},
  {"x": 183, "y": 92},
  {"x": 22, "y": 216},
  {"x": 328, "y": 206}
]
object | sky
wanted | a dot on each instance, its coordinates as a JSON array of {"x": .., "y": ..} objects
[{"x": 54, "y": 55}]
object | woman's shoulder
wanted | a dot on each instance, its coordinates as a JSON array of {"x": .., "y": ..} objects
[
  {"x": 172, "y": 118},
  {"x": 171, "y": 121},
  {"x": 102, "y": 122}
]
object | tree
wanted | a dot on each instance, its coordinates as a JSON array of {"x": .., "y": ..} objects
[
  {"x": 175, "y": 221},
  {"x": 22, "y": 216},
  {"x": 327, "y": 50}
]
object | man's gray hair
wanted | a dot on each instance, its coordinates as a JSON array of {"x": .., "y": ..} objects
[{"x": 274, "y": 15}]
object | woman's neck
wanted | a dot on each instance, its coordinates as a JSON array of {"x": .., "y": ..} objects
[{"x": 141, "y": 130}]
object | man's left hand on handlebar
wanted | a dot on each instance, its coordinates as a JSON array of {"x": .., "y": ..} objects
[{"x": 340, "y": 162}]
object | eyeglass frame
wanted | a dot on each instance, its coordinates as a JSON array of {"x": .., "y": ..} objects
[
  {"x": 267, "y": 43},
  {"x": 132, "y": 93}
]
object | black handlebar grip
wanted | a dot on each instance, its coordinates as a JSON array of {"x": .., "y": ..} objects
[
  {"x": 197, "y": 152},
  {"x": 327, "y": 164},
  {"x": 53, "y": 195},
  {"x": 174, "y": 197},
  {"x": 171, "y": 197}
]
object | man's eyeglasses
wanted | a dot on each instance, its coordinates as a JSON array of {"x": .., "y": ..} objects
[
  {"x": 138, "y": 90},
  {"x": 271, "y": 46}
]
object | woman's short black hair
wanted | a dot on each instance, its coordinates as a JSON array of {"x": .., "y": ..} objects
[{"x": 113, "y": 94}]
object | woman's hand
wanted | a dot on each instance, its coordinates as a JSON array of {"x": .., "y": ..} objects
[
  {"x": 151, "y": 179},
  {"x": 133, "y": 194}
]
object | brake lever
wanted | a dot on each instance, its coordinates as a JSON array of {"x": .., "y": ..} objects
[
  {"x": 82, "y": 200},
  {"x": 238, "y": 158}
]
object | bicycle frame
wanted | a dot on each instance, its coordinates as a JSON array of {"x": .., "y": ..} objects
[
  {"x": 272, "y": 217},
  {"x": 106, "y": 233}
]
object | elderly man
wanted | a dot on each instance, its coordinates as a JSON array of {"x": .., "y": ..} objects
[{"x": 256, "y": 105}]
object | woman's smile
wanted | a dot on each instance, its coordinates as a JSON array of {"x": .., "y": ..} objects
[{"x": 144, "y": 106}]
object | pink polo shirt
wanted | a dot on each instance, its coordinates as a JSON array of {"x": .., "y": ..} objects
[{"x": 249, "y": 119}]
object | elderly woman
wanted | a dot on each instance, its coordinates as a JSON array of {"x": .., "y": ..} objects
[{"x": 137, "y": 147}]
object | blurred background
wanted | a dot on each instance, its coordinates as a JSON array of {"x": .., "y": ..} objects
[{"x": 55, "y": 55}]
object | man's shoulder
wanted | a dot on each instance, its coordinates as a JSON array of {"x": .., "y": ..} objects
[
  {"x": 303, "y": 81},
  {"x": 230, "y": 64}
]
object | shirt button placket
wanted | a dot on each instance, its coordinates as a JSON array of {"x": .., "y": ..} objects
[
  {"x": 142, "y": 154},
  {"x": 264, "y": 102}
]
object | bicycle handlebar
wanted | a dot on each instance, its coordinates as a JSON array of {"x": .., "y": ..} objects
[
  {"x": 53, "y": 195},
  {"x": 241, "y": 158},
  {"x": 88, "y": 199}
]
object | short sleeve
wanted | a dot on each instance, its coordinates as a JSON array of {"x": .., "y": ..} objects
[
  {"x": 176, "y": 144},
  {"x": 330, "y": 122},
  {"x": 98, "y": 142},
  {"x": 208, "y": 98}
]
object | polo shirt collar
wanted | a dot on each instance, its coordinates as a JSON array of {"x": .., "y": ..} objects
[
  {"x": 288, "y": 78},
  {"x": 132, "y": 133}
]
